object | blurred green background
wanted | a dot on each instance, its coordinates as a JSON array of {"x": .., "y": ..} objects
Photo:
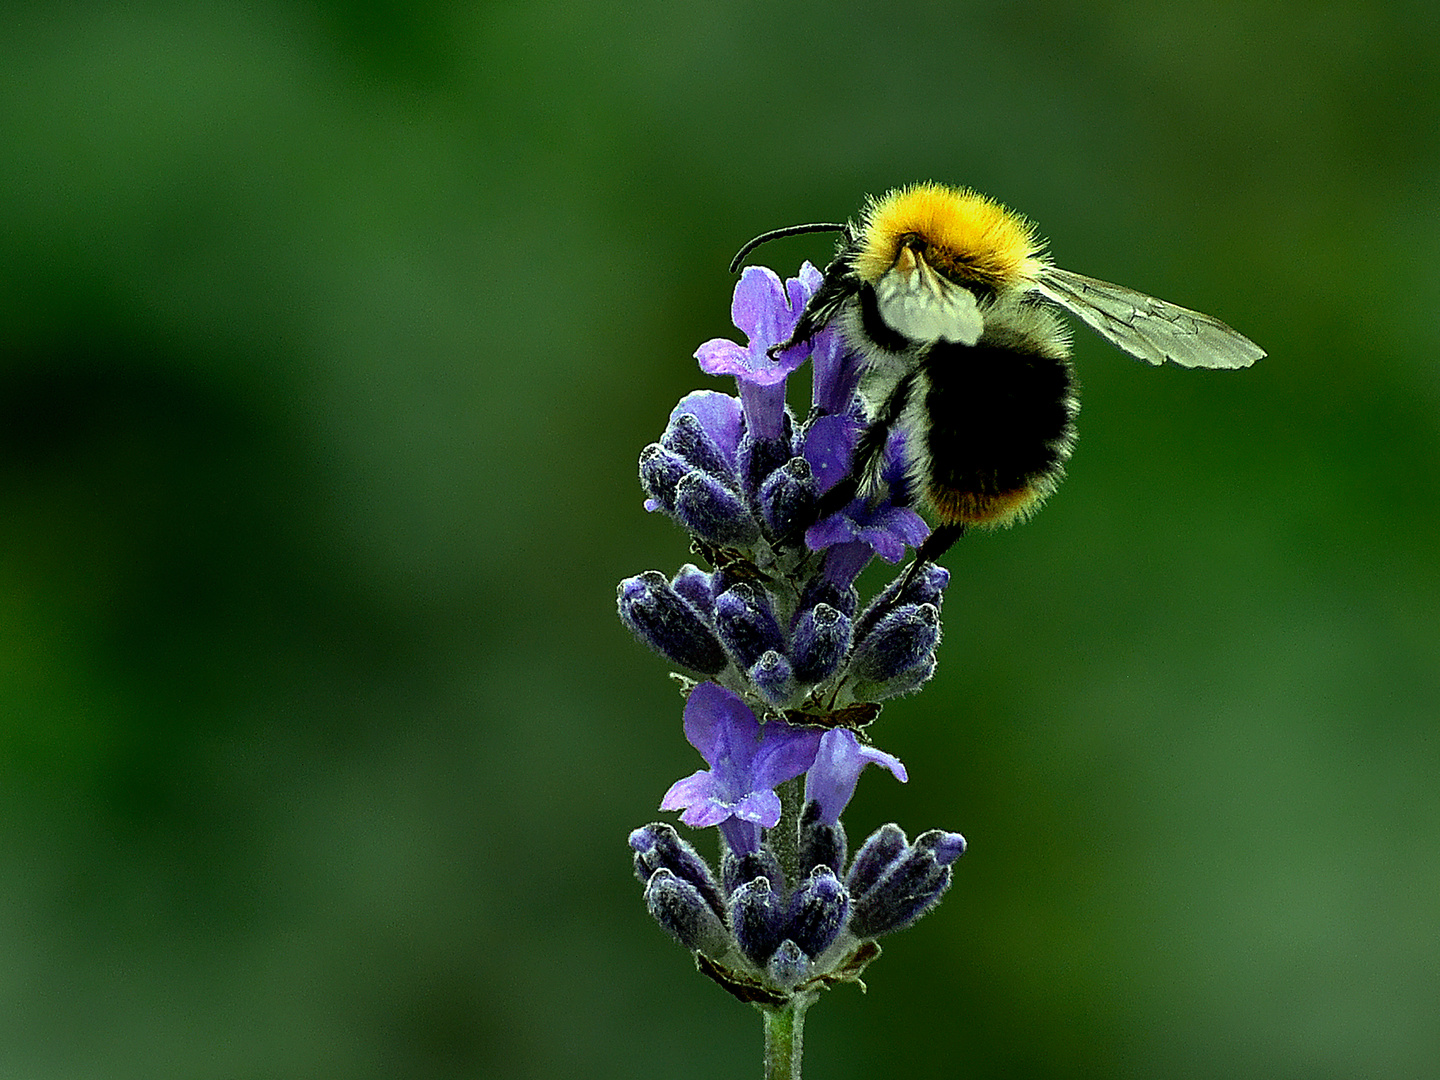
[{"x": 329, "y": 336}]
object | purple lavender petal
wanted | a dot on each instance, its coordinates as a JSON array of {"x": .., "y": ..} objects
[
  {"x": 720, "y": 726},
  {"x": 886, "y": 545},
  {"x": 746, "y": 762},
  {"x": 763, "y": 314},
  {"x": 761, "y": 807},
  {"x": 885, "y": 531},
  {"x": 844, "y": 561},
  {"x": 888, "y": 529},
  {"x": 721, "y": 356},
  {"x": 835, "y": 373},
  {"x": 801, "y": 288},
  {"x": 760, "y": 309},
  {"x": 837, "y": 530},
  {"x": 696, "y": 796},
  {"x": 903, "y": 523},
  {"x": 763, "y": 309},
  {"x": 763, "y": 399},
  {"x": 741, "y": 837},
  {"x": 839, "y": 761},
  {"x": 829, "y": 447},
  {"x": 785, "y": 753}
]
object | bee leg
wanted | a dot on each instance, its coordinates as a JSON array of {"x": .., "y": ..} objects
[
  {"x": 832, "y": 502},
  {"x": 863, "y": 469},
  {"x": 837, "y": 498},
  {"x": 940, "y": 540},
  {"x": 866, "y": 462},
  {"x": 836, "y": 286}
]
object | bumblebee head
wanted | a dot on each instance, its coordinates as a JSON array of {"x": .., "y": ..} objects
[
  {"x": 934, "y": 253},
  {"x": 961, "y": 235}
]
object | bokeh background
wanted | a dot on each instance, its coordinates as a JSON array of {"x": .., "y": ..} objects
[{"x": 329, "y": 335}]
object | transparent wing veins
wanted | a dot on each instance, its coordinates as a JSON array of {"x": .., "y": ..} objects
[{"x": 1146, "y": 328}]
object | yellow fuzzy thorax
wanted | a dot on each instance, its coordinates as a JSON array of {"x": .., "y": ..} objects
[{"x": 967, "y": 236}]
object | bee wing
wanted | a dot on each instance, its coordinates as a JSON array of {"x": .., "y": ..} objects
[{"x": 1147, "y": 328}]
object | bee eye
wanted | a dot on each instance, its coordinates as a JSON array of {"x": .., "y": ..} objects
[{"x": 915, "y": 242}]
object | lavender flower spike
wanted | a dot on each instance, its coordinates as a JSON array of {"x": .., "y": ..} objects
[{"x": 771, "y": 616}]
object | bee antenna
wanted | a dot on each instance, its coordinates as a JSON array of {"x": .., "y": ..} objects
[{"x": 791, "y": 230}]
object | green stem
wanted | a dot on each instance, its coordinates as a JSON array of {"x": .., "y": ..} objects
[
  {"x": 785, "y": 1025},
  {"x": 784, "y": 839},
  {"x": 784, "y": 1037}
]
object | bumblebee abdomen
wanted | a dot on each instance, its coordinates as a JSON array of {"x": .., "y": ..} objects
[{"x": 1001, "y": 427}]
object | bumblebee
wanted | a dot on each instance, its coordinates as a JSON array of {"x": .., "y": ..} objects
[{"x": 952, "y": 304}]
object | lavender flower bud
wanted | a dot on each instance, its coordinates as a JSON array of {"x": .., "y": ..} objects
[
  {"x": 737, "y": 870},
  {"x": 821, "y": 637},
  {"x": 694, "y": 585},
  {"x": 946, "y": 846},
  {"x": 900, "y": 644},
  {"x": 788, "y": 965},
  {"x": 774, "y": 678},
  {"x": 788, "y": 497},
  {"x": 818, "y": 911},
  {"x": 681, "y": 911},
  {"x": 904, "y": 683},
  {"x": 662, "y": 619},
  {"x": 757, "y": 913},
  {"x": 687, "y": 438},
  {"x": 911, "y": 886},
  {"x": 660, "y": 474},
  {"x": 889, "y": 910},
  {"x": 758, "y": 459},
  {"x": 733, "y": 572},
  {"x": 881, "y": 848},
  {"x": 823, "y": 590},
  {"x": 712, "y": 511},
  {"x": 821, "y": 844},
  {"x": 658, "y": 846},
  {"x": 928, "y": 587},
  {"x": 746, "y": 624}
]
